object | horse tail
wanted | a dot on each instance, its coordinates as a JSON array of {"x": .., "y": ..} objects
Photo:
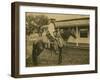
[
  {"x": 34, "y": 54},
  {"x": 37, "y": 48}
]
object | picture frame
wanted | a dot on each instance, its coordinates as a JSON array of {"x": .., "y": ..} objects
[{"x": 20, "y": 10}]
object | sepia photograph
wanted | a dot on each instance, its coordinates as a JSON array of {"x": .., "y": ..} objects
[
  {"x": 56, "y": 39},
  {"x": 52, "y": 39}
]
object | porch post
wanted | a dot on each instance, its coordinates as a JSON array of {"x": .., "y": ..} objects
[{"x": 77, "y": 36}]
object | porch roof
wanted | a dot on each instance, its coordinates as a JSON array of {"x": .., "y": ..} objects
[{"x": 72, "y": 23}]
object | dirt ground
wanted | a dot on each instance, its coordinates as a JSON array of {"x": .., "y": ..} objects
[{"x": 70, "y": 56}]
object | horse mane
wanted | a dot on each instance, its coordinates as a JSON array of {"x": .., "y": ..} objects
[{"x": 49, "y": 36}]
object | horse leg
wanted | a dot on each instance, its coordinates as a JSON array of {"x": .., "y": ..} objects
[
  {"x": 37, "y": 49},
  {"x": 34, "y": 55},
  {"x": 60, "y": 56}
]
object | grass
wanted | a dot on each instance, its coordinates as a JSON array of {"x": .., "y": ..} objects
[{"x": 70, "y": 56}]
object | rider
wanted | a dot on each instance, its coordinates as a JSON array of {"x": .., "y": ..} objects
[
  {"x": 51, "y": 36},
  {"x": 55, "y": 33},
  {"x": 51, "y": 29},
  {"x": 44, "y": 36},
  {"x": 47, "y": 35},
  {"x": 51, "y": 26}
]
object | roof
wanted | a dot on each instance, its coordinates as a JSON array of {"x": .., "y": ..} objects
[{"x": 72, "y": 22}]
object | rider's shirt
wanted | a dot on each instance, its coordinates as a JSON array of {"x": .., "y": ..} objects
[
  {"x": 51, "y": 29},
  {"x": 44, "y": 37}
]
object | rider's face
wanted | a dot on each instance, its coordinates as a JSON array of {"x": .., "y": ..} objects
[{"x": 52, "y": 21}]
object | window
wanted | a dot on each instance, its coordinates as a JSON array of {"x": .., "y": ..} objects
[{"x": 83, "y": 33}]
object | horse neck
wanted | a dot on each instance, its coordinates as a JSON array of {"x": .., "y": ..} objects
[{"x": 65, "y": 35}]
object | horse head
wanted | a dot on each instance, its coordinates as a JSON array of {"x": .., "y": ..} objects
[
  {"x": 72, "y": 33},
  {"x": 66, "y": 33}
]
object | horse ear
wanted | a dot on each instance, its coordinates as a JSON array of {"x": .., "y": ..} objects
[{"x": 73, "y": 33}]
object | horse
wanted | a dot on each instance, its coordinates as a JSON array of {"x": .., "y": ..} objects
[{"x": 39, "y": 45}]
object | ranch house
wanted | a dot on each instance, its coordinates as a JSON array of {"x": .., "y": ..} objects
[{"x": 81, "y": 27}]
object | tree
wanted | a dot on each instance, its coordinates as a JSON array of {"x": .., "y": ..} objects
[{"x": 35, "y": 23}]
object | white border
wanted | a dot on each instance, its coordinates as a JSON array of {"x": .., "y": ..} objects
[{"x": 53, "y": 69}]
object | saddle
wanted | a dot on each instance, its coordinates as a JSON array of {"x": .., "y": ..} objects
[{"x": 56, "y": 42}]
